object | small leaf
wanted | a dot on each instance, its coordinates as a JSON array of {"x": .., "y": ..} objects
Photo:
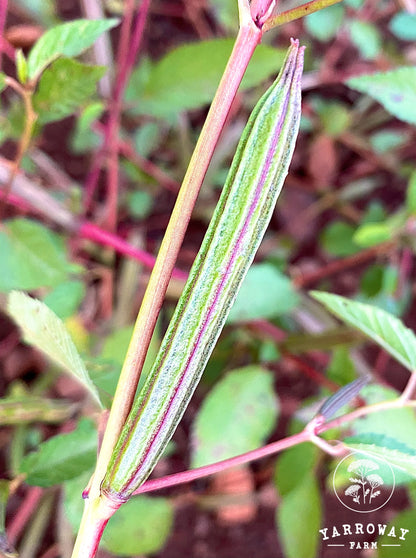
[
  {"x": 380, "y": 326},
  {"x": 222, "y": 430},
  {"x": 65, "y": 298},
  {"x": 301, "y": 506},
  {"x": 341, "y": 369},
  {"x": 68, "y": 39},
  {"x": 141, "y": 526},
  {"x": 395, "y": 90},
  {"x": 43, "y": 329},
  {"x": 187, "y": 77},
  {"x": 324, "y": 25},
  {"x": 32, "y": 256},
  {"x": 411, "y": 194},
  {"x": 21, "y": 66},
  {"x": 371, "y": 234},
  {"x": 2, "y": 81},
  {"x": 62, "y": 457},
  {"x": 337, "y": 239},
  {"x": 226, "y": 12},
  {"x": 403, "y": 25},
  {"x": 384, "y": 141},
  {"x": 366, "y": 38},
  {"x": 265, "y": 293},
  {"x": 84, "y": 138},
  {"x": 64, "y": 87}
]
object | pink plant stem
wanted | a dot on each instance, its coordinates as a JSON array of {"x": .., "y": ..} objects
[
  {"x": 307, "y": 435},
  {"x": 89, "y": 231},
  {"x": 200, "y": 472},
  {"x": 3, "y": 15},
  {"x": 25, "y": 511},
  {"x": 129, "y": 46},
  {"x": 100, "y": 236},
  {"x": 17, "y": 201},
  {"x": 126, "y": 149}
]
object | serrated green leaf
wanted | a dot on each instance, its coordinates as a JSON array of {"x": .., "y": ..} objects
[
  {"x": 300, "y": 507},
  {"x": 187, "y": 77},
  {"x": 398, "y": 455},
  {"x": 221, "y": 429},
  {"x": 141, "y": 526},
  {"x": 383, "y": 328},
  {"x": 399, "y": 424},
  {"x": 324, "y": 24},
  {"x": 68, "y": 39},
  {"x": 62, "y": 457},
  {"x": 43, "y": 329},
  {"x": 265, "y": 293},
  {"x": 403, "y": 548},
  {"x": 395, "y": 90},
  {"x": 32, "y": 256},
  {"x": 64, "y": 87}
]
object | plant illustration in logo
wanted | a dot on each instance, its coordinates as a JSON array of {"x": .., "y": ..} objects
[{"x": 365, "y": 481}]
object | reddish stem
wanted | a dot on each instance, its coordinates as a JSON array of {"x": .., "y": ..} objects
[
  {"x": 126, "y": 56},
  {"x": 25, "y": 511},
  {"x": 3, "y": 15},
  {"x": 126, "y": 149},
  {"x": 341, "y": 265},
  {"x": 92, "y": 232},
  {"x": 312, "y": 373},
  {"x": 200, "y": 472}
]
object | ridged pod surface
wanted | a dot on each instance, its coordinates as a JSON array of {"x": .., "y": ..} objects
[{"x": 241, "y": 217}]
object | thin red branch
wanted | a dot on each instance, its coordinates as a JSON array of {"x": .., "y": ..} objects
[
  {"x": 125, "y": 148},
  {"x": 100, "y": 236},
  {"x": 341, "y": 265},
  {"x": 207, "y": 470},
  {"x": 89, "y": 231},
  {"x": 130, "y": 41},
  {"x": 25, "y": 511},
  {"x": 3, "y": 15}
]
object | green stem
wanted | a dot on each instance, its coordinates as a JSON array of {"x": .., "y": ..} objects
[
  {"x": 296, "y": 13},
  {"x": 248, "y": 37},
  {"x": 96, "y": 514},
  {"x": 26, "y": 93}
]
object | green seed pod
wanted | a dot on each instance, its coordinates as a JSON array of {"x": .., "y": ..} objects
[{"x": 242, "y": 215}]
